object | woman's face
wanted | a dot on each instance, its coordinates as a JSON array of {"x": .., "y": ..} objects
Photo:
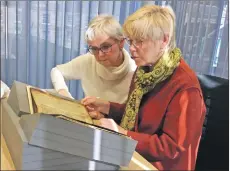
[
  {"x": 106, "y": 50},
  {"x": 145, "y": 52}
]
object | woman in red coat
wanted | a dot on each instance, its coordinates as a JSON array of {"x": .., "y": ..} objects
[{"x": 165, "y": 109}]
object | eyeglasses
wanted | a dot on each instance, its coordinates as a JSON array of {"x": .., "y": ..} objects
[
  {"x": 104, "y": 49},
  {"x": 135, "y": 43}
]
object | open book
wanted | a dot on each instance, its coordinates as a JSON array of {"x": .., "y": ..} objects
[{"x": 41, "y": 101}]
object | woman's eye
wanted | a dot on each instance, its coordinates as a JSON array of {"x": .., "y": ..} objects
[
  {"x": 105, "y": 47},
  {"x": 94, "y": 49}
]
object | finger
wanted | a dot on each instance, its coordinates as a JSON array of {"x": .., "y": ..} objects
[
  {"x": 96, "y": 115},
  {"x": 88, "y": 101},
  {"x": 84, "y": 99},
  {"x": 100, "y": 115},
  {"x": 93, "y": 115},
  {"x": 90, "y": 108}
]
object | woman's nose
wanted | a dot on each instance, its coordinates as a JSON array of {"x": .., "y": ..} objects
[
  {"x": 132, "y": 48},
  {"x": 100, "y": 53}
]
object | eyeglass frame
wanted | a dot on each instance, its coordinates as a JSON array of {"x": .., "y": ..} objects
[
  {"x": 134, "y": 42},
  {"x": 100, "y": 48}
]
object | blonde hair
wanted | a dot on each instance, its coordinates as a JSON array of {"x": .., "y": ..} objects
[
  {"x": 152, "y": 22},
  {"x": 104, "y": 25}
]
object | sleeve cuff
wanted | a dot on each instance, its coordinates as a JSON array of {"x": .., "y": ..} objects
[{"x": 116, "y": 112}]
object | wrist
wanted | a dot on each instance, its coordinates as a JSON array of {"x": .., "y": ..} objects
[{"x": 106, "y": 108}]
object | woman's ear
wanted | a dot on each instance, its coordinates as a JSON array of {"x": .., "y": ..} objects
[
  {"x": 165, "y": 41},
  {"x": 122, "y": 43}
]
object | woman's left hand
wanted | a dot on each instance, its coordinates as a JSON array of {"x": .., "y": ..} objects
[{"x": 111, "y": 124}]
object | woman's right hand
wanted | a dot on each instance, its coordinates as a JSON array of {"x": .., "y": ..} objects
[{"x": 96, "y": 107}]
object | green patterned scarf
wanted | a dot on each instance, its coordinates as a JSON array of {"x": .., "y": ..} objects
[{"x": 145, "y": 82}]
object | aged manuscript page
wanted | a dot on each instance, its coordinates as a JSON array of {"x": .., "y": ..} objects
[
  {"x": 47, "y": 103},
  {"x": 41, "y": 101}
]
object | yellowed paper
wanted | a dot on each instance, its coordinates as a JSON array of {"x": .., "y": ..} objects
[
  {"x": 44, "y": 102},
  {"x": 68, "y": 109}
]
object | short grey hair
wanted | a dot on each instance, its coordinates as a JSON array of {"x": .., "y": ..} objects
[{"x": 104, "y": 25}]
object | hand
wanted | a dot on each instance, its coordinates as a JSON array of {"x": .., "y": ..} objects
[
  {"x": 94, "y": 114},
  {"x": 96, "y": 104},
  {"x": 111, "y": 124},
  {"x": 65, "y": 93}
]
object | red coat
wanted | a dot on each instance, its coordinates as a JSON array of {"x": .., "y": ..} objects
[{"x": 169, "y": 123}]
